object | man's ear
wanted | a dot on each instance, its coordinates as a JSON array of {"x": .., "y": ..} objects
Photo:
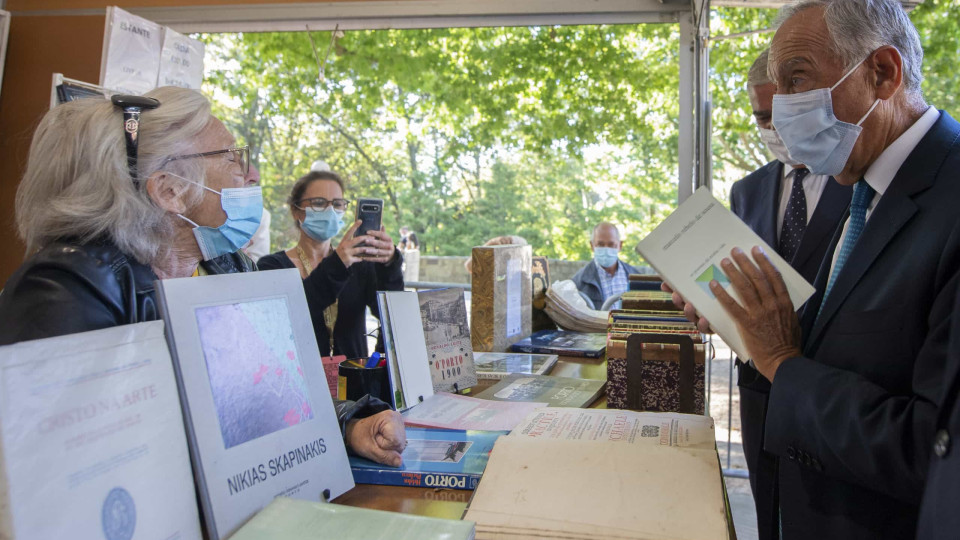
[
  {"x": 167, "y": 192},
  {"x": 887, "y": 71}
]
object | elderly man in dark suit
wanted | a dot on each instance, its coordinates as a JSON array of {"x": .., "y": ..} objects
[
  {"x": 797, "y": 212},
  {"x": 853, "y": 403}
]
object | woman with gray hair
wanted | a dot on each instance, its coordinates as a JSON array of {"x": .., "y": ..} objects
[{"x": 118, "y": 195}]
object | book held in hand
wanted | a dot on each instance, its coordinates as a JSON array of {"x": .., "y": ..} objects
[
  {"x": 686, "y": 249},
  {"x": 496, "y": 366},
  {"x": 555, "y": 391},
  {"x": 433, "y": 458},
  {"x": 563, "y": 343}
]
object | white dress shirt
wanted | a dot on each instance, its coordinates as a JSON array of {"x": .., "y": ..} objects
[
  {"x": 813, "y": 186},
  {"x": 881, "y": 172}
]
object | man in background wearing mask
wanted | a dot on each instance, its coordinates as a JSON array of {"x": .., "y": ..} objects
[
  {"x": 796, "y": 213},
  {"x": 606, "y": 275},
  {"x": 856, "y": 383}
]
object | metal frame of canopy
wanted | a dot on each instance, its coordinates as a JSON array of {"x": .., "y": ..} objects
[{"x": 691, "y": 15}]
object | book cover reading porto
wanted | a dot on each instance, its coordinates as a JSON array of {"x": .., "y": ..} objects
[
  {"x": 686, "y": 249},
  {"x": 260, "y": 419},
  {"x": 433, "y": 458}
]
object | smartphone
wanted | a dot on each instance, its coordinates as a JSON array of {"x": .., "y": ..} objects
[{"x": 370, "y": 214}]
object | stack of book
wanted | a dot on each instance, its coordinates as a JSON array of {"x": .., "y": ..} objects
[
  {"x": 570, "y": 310},
  {"x": 625, "y": 475},
  {"x": 648, "y": 300},
  {"x": 655, "y": 359}
]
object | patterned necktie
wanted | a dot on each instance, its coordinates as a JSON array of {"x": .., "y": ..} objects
[
  {"x": 794, "y": 218},
  {"x": 862, "y": 195}
]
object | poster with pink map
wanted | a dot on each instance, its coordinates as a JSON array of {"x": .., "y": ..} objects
[
  {"x": 260, "y": 420},
  {"x": 254, "y": 370}
]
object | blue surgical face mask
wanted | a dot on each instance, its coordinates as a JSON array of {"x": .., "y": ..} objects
[
  {"x": 812, "y": 134},
  {"x": 775, "y": 145},
  {"x": 322, "y": 225},
  {"x": 244, "y": 208},
  {"x": 606, "y": 256}
]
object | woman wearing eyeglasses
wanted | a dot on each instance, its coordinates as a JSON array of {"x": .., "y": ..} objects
[
  {"x": 340, "y": 281},
  {"x": 117, "y": 195}
]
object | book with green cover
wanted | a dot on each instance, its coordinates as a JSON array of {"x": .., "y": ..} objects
[
  {"x": 294, "y": 519},
  {"x": 555, "y": 391}
]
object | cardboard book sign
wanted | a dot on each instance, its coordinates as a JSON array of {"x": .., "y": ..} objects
[
  {"x": 501, "y": 299},
  {"x": 132, "y": 46},
  {"x": 260, "y": 419}
]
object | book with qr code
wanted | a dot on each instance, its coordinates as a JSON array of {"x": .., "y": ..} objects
[
  {"x": 433, "y": 458},
  {"x": 631, "y": 427},
  {"x": 554, "y": 391}
]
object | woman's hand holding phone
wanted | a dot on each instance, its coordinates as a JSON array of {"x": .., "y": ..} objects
[
  {"x": 349, "y": 249},
  {"x": 379, "y": 246}
]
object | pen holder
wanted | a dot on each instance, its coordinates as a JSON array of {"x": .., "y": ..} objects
[{"x": 355, "y": 382}]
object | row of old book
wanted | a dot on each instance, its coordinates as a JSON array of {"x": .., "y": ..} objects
[{"x": 656, "y": 358}]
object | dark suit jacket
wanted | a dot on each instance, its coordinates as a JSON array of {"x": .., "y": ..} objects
[
  {"x": 852, "y": 419},
  {"x": 939, "y": 515},
  {"x": 756, "y": 200}
]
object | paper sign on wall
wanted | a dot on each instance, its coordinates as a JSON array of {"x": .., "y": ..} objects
[
  {"x": 131, "y": 52},
  {"x": 181, "y": 61}
]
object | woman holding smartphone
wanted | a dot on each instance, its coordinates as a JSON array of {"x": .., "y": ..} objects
[{"x": 340, "y": 281}]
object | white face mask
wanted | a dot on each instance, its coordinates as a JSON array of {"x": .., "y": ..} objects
[
  {"x": 812, "y": 134},
  {"x": 774, "y": 143}
]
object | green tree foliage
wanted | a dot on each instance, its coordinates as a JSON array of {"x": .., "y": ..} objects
[
  {"x": 470, "y": 133},
  {"x": 466, "y": 133}
]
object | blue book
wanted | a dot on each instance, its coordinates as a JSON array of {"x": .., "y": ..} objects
[
  {"x": 563, "y": 343},
  {"x": 436, "y": 458}
]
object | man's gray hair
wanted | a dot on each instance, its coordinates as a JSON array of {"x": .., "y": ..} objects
[
  {"x": 758, "y": 71},
  {"x": 77, "y": 184},
  {"x": 859, "y": 27}
]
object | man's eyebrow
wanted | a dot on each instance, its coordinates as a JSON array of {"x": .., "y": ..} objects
[
  {"x": 764, "y": 112},
  {"x": 793, "y": 63}
]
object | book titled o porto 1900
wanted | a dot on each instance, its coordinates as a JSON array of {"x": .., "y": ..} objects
[
  {"x": 433, "y": 458},
  {"x": 259, "y": 415},
  {"x": 93, "y": 444}
]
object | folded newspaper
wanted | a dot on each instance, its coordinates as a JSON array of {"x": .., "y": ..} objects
[{"x": 570, "y": 310}]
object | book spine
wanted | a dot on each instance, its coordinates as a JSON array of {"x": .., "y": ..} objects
[{"x": 387, "y": 477}]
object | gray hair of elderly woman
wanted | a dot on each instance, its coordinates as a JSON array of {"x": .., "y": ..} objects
[
  {"x": 859, "y": 27},
  {"x": 77, "y": 184}
]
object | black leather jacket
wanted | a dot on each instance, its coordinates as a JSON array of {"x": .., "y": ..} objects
[{"x": 69, "y": 287}]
